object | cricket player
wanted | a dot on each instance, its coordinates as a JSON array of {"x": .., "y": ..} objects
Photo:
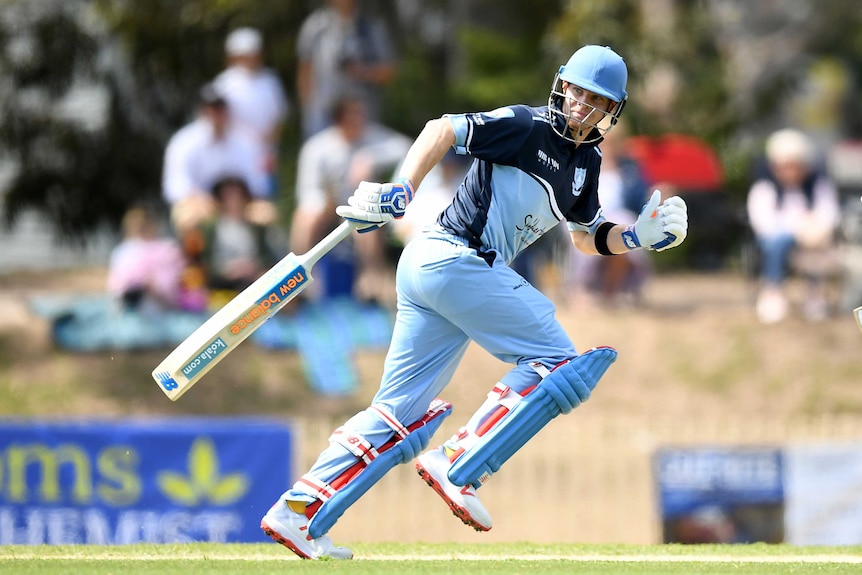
[{"x": 533, "y": 167}]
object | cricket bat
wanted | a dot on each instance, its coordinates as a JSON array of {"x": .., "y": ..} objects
[
  {"x": 240, "y": 317},
  {"x": 858, "y": 314}
]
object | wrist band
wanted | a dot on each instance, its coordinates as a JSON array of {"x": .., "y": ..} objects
[
  {"x": 601, "y": 238},
  {"x": 408, "y": 187}
]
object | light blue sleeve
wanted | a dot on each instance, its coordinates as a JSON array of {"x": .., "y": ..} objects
[
  {"x": 462, "y": 133},
  {"x": 589, "y": 227}
]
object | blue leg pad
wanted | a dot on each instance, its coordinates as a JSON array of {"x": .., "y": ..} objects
[
  {"x": 562, "y": 390},
  {"x": 390, "y": 454}
]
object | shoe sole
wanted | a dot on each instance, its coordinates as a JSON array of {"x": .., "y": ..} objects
[
  {"x": 457, "y": 510},
  {"x": 278, "y": 538}
]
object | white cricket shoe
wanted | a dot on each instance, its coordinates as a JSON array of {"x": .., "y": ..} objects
[
  {"x": 291, "y": 530},
  {"x": 433, "y": 466}
]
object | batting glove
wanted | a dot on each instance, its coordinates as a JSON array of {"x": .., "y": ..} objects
[
  {"x": 659, "y": 226},
  {"x": 373, "y": 205}
]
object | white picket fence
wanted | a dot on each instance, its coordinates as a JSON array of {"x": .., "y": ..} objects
[{"x": 584, "y": 478}]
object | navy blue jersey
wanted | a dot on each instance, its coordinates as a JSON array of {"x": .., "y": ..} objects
[{"x": 524, "y": 180}]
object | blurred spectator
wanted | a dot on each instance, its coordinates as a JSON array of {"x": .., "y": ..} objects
[
  {"x": 201, "y": 153},
  {"x": 144, "y": 269},
  {"x": 331, "y": 165},
  {"x": 230, "y": 248},
  {"x": 340, "y": 47},
  {"x": 623, "y": 190},
  {"x": 255, "y": 95},
  {"x": 793, "y": 209}
]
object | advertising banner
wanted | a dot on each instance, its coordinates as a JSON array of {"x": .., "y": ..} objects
[
  {"x": 824, "y": 494},
  {"x": 721, "y": 495},
  {"x": 153, "y": 481}
]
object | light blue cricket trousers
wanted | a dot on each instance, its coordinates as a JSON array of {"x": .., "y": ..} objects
[{"x": 447, "y": 296}]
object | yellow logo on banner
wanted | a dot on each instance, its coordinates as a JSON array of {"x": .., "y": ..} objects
[{"x": 204, "y": 482}]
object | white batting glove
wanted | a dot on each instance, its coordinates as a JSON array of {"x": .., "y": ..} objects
[
  {"x": 373, "y": 205},
  {"x": 659, "y": 226}
]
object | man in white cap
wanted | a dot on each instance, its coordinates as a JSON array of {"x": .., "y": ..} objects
[{"x": 254, "y": 93}]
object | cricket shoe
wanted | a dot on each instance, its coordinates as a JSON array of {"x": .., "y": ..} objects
[
  {"x": 433, "y": 467},
  {"x": 291, "y": 530}
]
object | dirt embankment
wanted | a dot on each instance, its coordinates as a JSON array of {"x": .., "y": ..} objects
[{"x": 692, "y": 347}]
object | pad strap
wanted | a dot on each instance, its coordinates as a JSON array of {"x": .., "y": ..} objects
[
  {"x": 354, "y": 443},
  {"x": 390, "y": 420},
  {"x": 561, "y": 390},
  {"x": 319, "y": 489},
  {"x": 335, "y": 497}
]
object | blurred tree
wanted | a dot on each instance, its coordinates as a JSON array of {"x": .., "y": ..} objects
[
  {"x": 676, "y": 73},
  {"x": 92, "y": 89},
  {"x": 135, "y": 68},
  {"x": 721, "y": 70}
]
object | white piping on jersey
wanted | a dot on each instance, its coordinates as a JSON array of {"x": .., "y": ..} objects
[
  {"x": 592, "y": 222},
  {"x": 552, "y": 199},
  {"x": 469, "y": 137}
]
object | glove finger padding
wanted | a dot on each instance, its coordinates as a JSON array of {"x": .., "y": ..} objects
[
  {"x": 365, "y": 222},
  {"x": 647, "y": 231},
  {"x": 674, "y": 220},
  {"x": 376, "y": 204}
]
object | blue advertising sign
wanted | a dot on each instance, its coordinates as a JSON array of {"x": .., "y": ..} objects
[
  {"x": 153, "y": 481},
  {"x": 688, "y": 478},
  {"x": 721, "y": 495}
]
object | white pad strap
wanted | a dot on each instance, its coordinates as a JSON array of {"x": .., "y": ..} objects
[
  {"x": 504, "y": 395},
  {"x": 354, "y": 443},
  {"x": 390, "y": 420},
  {"x": 540, "y": 368},
  {"x": 501, "y": 395},
  {"x": 315, "y": 487}
]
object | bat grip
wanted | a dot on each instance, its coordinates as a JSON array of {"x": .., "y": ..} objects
[{"x": 323, "y": 247}]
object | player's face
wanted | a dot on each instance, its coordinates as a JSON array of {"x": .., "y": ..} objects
[{"x": 582, "y": 107}]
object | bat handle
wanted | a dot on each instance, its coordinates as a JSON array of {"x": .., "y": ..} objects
[{"x": 323, "y": 247}]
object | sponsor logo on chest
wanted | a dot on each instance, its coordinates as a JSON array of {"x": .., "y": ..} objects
[{"x": 548, "y": 161}]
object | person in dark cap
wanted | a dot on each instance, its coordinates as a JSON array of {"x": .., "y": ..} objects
[{"x": 201, "y": 153}]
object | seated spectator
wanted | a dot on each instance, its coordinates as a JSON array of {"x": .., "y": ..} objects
[
  {"x": 200, "y": 154},
  {"x": 144, "y": 269},
  {"x": 792, "y": 207},
  {"x": 230, "y": 249},
  {"x": 331, "y": 165}
]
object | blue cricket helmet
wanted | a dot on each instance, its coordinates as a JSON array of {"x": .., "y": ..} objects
[{"x": 597, "y": 69}]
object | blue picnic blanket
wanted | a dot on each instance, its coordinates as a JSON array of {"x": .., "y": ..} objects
[{"x": 325, "y": 334}]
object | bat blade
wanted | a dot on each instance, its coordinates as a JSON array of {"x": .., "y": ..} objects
[
  {"x": 858, "y": 314},
  {"x": 239, "y": 318},
  {"x": 230, "y": 326}
]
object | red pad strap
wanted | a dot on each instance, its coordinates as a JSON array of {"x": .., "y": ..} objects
[{"x": 437, "y": 408}]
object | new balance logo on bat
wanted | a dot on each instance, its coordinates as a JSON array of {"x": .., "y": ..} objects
[{"x": 285, "y": 288}]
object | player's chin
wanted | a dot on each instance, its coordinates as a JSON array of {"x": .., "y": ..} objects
[{"x": 576, "y": 125}]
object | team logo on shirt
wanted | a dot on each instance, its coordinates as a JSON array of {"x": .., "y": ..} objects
[{"x": 578, "y": 182}]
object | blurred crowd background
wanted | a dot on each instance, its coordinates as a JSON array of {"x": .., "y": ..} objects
[
  {"x": 110, "y": 107},
  {"x": 182, "y": 147}
]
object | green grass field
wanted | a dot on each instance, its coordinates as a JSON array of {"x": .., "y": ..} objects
[{"x": 437, "y": 559}]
